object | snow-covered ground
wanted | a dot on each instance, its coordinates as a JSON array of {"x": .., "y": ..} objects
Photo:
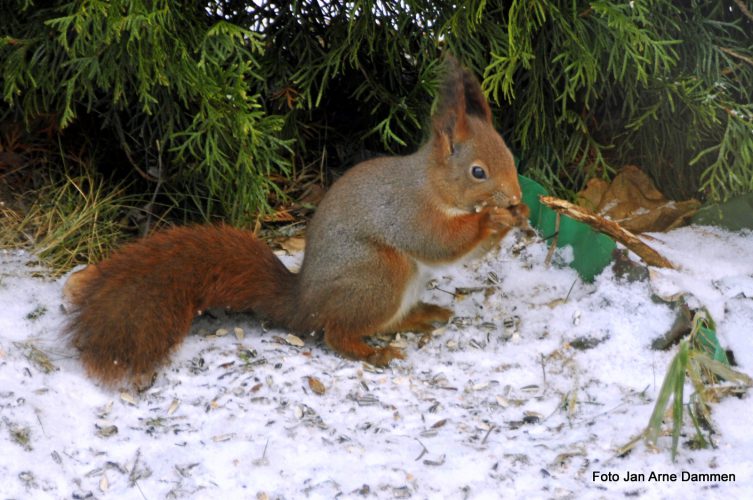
[{"x": 527, "y": 394}]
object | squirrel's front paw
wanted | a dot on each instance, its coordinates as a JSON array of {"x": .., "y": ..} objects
[
  {"x": 507, "y": 218},
  {"x": 501, "y": 220},
  {"x": 520, "y": 212}
]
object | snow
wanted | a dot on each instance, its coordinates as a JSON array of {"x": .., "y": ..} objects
[{"x": 498, "y": 404}]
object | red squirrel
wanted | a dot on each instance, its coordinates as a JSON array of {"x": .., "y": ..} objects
[{"x": 374, "y": 238}]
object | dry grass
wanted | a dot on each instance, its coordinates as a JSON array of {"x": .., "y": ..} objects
[
  {"x": 694, "y": 361},
  {"x": 66, "y": 222}
]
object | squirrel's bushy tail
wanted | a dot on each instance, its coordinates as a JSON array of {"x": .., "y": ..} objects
[{"x": 131, "y": 310}]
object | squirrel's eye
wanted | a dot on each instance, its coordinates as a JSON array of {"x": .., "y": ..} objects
[{"x": 478, "y": 172}]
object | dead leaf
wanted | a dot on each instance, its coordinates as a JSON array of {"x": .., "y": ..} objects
[
  {"x": 294, "y": 244},
  {"x": 282, "y": 215},
  {"x": 633, "y": 201}
]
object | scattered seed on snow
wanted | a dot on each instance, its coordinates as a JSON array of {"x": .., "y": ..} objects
[
  {"x": 576, "y": 317},
  {"x": 368, "y": 367},
  {"x": 480, "y": 386},
  {"x": 503, "y": 402},
  {"x": 294, "y": 340},
  {"x": 435, "y": 462},
  {"x": 106, "y": 431},
  {"x": 556, "y": 302},
  {"x": 439, "y": 423},
  {"x": 531, "y": 419},
  {"x": 128, "y": 398},
  {"x": 26, "y": 477},
  {"x": 512, "y": 322},
  {"x": 173, "y": 406},
  {"x": 462, "y": 321},
  {"x": 484, "y": 426},
  {"x": 476, "y": 344},
  {"x": 316, "y": 385},
  {"x": 298, "y": 412},
  {"x": 462, "y": 292},
  {"x": 400, "y": 392},
  {"x": 103, "y": 411},
  {"x": 223, "y": 437},
  {"x": 366, "y": 400}
]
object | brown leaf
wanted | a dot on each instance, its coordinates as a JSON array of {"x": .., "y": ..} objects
[
  {"x": 282, "y": 215},
  {"x": 633, "y": 201},
  {"x": 294, "y": 244}
]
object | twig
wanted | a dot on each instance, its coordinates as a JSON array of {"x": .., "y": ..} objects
[
  {"x": 160, "y": 176},
  {"x": 571, "y": 289},
  {"x": 553, "y": 243},
  {"x": 486, "y": 436},
  {"x": 610, "y": 228},
  {"x": 424, "y": 451},
  {"x": 41, "y": 425},
  {"x": 744, "y": 8},
  {"x": 135, "y": 165},
  {"x": 542, "y": 362},
  {"x": 738, "y": 55}
]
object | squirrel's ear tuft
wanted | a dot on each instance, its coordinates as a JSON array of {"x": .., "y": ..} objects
[
  {"x": 475, "y": 101},
  {"x": 459, "y": 96}
]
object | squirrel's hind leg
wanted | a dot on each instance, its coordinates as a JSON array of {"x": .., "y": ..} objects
[
  {"x": 370, "y": 309},
  {"x": 423, "y": 318}
]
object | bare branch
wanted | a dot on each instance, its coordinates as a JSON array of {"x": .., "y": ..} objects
[{"x": 610, "y": 228}]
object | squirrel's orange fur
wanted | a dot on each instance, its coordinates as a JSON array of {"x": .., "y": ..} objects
[{"x": 373, "y": 238}]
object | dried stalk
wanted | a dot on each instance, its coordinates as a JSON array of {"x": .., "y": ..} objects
[{"x": 610, "y": 228}]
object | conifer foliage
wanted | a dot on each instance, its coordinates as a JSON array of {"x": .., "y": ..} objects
[{"x": 215, "y": 102}]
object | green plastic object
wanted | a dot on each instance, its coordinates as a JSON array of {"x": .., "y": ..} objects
[{"x": 592, "y": 251}]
